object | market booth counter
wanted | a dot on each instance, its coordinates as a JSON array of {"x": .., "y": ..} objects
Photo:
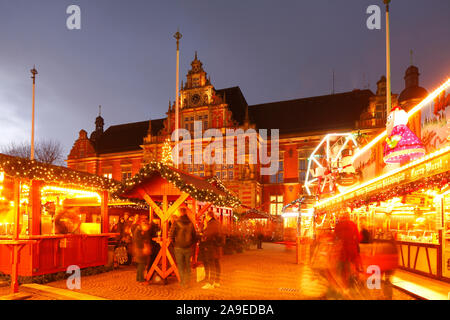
[
  {"x": 40, "y": 208},
  {"x": 411, "y": 205}
]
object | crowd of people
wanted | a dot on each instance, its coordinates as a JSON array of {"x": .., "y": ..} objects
[
  {"x": 340, "y": 255},
  {"x": 137, "y": 243}
]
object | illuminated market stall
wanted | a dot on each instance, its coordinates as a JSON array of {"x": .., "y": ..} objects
[
  {"x": 254, "y": 221},
  {"x": 409, "y": 201},
  {"x": 40, "y": 208},
  {"x": 166, "y": 189}
]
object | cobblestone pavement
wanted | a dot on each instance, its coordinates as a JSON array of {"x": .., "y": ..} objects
[{"x": 267, "y": 274}]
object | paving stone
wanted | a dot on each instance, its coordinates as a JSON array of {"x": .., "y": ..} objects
[{"x": 268, "y": 274}]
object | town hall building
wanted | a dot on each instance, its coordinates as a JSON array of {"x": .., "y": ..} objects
[{"x": 121, "y": 150}]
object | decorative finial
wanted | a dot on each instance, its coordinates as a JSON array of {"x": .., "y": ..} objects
[
  {"x": 411, "y": 57},
  {"x": 33, "y": 72},
  {"x": 100, "y": 110},
  {"x": 149, "y": 130},
  {"x": 178, "y": 36},
  {"x": 247, "y": 120},
  {"x": 195, "y": 58}
]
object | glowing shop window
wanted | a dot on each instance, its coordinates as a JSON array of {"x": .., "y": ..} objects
[
  {"x": 276, "y": 204},
  {"x": 7, "y": 206},
  {"x": 66, "y": 211}
]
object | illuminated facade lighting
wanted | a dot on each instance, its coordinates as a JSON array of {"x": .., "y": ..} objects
[
  {"x": 386, "y": 175},
  {"x": 411, "y": 112},
  {"x": 77, "y": 193}
]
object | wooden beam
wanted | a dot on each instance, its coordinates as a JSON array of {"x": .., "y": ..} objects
[
  {"x": 177, "y": 204},
  {"x": 203, "y": 210},
  {"x": 152, "y": 204},
  {"x": 165, "y": 205}
]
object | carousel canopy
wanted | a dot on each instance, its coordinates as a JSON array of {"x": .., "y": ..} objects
[
  {"x": 22, "y": 168},
  {"x": 153, "y": 177}
]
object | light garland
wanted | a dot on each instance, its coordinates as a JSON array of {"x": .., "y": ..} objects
[
  {"x": 21, "y": 168},
  {"x": 424, "y": 159},
  {"x": 299, "y": 201}
]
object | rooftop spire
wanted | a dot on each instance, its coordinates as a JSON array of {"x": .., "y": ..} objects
[{"x": 149, "y": 131}]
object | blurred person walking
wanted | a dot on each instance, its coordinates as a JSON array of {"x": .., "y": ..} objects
[
  {"x": 183, "y": 236},
  {"x": 212, "y": 240},
  {"x": 347, "y": 250},
  {"x": 141, "y": 247}
]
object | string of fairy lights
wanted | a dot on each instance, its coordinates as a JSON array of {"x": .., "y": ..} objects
[
  {"x": 21, "y": 168},
  {"x": 226, "y": 199},
  {"x": 437, "y": 182},
  {"x": 32, "y": 170}
]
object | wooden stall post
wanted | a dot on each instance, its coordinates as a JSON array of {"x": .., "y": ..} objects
[
  {"x": 164, "y": 254},
  {"x": 35, "y": 192},
  {"x": 15, "y": 250},
  {"x": 104, "y": 211},
  {"x": 165, "y": 235}
]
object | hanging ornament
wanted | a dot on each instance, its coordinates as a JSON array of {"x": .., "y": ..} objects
[{"x": 402, "y": 145}]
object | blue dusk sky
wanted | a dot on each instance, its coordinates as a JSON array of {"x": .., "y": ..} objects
[{"x": 123, "y": 58}]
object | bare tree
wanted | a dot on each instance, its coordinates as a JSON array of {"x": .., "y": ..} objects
[
  {"x": 46, "y": 151},
  {"x": 21, "y": 150}
]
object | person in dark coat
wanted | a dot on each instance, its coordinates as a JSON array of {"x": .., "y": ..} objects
[
  {"x": 212, "y": 240},
  {"x": 183, "y": 236}
]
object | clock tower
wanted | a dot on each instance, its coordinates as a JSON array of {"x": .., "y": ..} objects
[{"x": 198, "y": 90}]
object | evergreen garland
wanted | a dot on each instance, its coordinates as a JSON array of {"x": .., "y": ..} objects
[{"x": 172, "y": 176}]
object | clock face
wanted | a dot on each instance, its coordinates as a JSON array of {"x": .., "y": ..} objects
[{"x": 195, "y": 99}]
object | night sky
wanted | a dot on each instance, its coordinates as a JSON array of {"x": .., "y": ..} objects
[{"x": 124, "y": 55}]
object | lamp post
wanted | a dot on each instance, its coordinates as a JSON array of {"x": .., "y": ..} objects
[
  {"x": 34, "y": 73},
  {"x": 388, "y": 61}
]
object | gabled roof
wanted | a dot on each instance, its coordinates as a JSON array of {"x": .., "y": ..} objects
[
  {"x": 236, "y": 102},
  {"x": 126, "y": 137},
  {"x": 202, "y": 189},
  {"x": 335, "y": 111},
  {"x": 21, "y": 168}
]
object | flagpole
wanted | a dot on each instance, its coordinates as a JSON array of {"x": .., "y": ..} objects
[
  {"x": 34, "y": 73},
  {"x": 388, "y": 61},
  {"x": 177, "y": 36}
]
